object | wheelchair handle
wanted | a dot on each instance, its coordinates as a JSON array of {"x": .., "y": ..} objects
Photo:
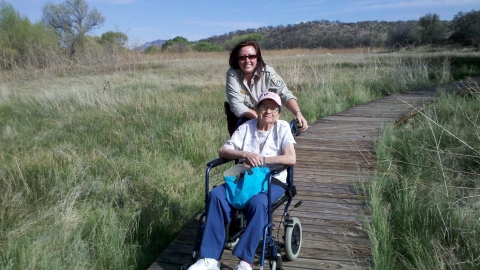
[{"x": 295, "y": 127}]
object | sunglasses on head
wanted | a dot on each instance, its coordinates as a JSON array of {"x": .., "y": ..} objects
[{"x": 250, "y": 57}]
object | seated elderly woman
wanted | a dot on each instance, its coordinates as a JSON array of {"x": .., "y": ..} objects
[{"x": 265, "y": 140}]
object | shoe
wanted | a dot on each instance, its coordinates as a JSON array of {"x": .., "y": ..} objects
[
  {"x": 242, "y": 265},
  {"x": 206, "y": 264}
]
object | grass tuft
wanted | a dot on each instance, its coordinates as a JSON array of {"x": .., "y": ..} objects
[{"x": 425, "y": 196}]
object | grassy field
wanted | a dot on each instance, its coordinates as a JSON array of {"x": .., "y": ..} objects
[
  {"x": 426, "y": 192},
  {"x": 102, "y": 165}
]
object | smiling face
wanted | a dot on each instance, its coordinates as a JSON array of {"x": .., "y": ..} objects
[
  {"x": 247, "y": 66},
  {"x": 268, "y": 112}
]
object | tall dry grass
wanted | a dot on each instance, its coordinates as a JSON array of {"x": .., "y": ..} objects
[
  {"x": 102, "y": 162},
  {"x": 426, "y": 193}
]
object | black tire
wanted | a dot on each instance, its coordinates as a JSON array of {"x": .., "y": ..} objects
[
  {"x": 236, "y": 224},
  {"x": 232, "y": 245},
  {"x": 293, "y": 239}
]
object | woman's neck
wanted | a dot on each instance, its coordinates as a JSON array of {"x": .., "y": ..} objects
[
  {"x": 264, "y": 127},
  {"x": 248, "y": 77}
]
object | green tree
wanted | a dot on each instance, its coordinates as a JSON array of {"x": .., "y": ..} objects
[
  {"x": 153, "y": 49},
  {"x": 432, "y": 30},
  {"x": 402, "y": 34},
  {"x": 111, "y": 38},
  {"x": 204, "y": 46},
  {"x": 178, "y": 44},
  {"x": 72, "y": 20},
  {"x": 180, "y": 39},
  {"x": 23, "y": 43},
  {"x": 466, "y": 28},
  {"x": 11, "y": 32},
  {"x": 229, "y": 44},
  {"x": 113, "y": 41}
]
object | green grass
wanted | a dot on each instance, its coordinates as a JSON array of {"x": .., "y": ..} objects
[
  {"x": 425, "y": 196},
  {"x": 112, "y": 172},
  {"x": 464, "y": 66},
  {"x": 96, "y": 177}
]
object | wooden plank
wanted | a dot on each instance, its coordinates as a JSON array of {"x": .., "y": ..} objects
[{"x": 318, "y": 198}]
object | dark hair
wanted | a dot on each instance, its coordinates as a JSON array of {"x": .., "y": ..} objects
[{"x": 233, "y": 60}]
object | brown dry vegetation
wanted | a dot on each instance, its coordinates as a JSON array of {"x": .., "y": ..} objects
[{"x": 102, "y": 156}]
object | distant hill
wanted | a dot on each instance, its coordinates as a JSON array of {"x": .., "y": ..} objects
[
  {"x": 158, "y": 42},
  {"x": 336, "y": 34},
  {"x": 428, "y": 30},
  {"x": 316, "y": 34}
]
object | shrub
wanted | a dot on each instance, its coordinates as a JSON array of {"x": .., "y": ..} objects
[{"x": 23, "y": 44}]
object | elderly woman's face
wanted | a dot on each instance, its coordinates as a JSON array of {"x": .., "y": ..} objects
[
  {"x": 268, "y": 111},
  {"x": 247, "y": 59}
]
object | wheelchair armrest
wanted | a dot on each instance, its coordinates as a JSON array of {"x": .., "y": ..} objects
[
  {"x": 217, "y": 162},
  {"x": 278, "y": 168}
]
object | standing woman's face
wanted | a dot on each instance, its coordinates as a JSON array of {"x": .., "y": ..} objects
[{"x": 247, "y": 60}]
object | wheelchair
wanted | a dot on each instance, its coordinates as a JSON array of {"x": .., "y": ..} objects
[{"x": 291, "y": 241}]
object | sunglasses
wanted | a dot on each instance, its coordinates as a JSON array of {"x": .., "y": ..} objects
[{"x": 244, "y": 57}]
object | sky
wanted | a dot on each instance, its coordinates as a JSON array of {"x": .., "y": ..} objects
[{"x": 148, "y": 20}]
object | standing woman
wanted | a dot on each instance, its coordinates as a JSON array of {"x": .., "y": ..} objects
[{"x": 247, "y": 78}]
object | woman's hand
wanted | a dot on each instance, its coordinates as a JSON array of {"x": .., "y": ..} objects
[
  {"x": 252, "y": 159},
  {"x": 249, "y": 159},
  {"x": 302, "y": 122},
  {"x": 293, "y": 107}
]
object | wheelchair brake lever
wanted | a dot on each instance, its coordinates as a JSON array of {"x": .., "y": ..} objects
[{"x": 297, "y": 204}]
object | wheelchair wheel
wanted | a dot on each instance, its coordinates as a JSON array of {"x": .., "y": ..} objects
[
  {"x": 293, "y": 238},
  {"x": 196, "y": 254},
  {"x": 276, "y": 264},
  {"x": 237, "y": 224},
  {"x": 232, "y": 245}
]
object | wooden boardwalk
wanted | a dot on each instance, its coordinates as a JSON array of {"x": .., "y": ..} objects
[{"x": 333, "y": 157}]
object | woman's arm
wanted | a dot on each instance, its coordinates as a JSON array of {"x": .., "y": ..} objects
[
  {"x": 250, "y": 114},
  {"x": 278, "y": 86},
  {"x": 292, "y": 105},
  {"x": 287, "y": 158},
  {"x": 250, "y": 159},
  {"x": 235, "y": 97}
]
